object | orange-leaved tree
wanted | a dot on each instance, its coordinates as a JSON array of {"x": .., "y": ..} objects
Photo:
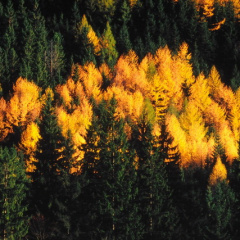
[
  {"x": 219, "y": 172},
  {"x": 25, "y": 104},
  {"x": 28, "y": 145}
]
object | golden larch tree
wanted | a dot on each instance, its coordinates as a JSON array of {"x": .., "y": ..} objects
[
  {"x": 179, "y": 138},
  {"x": 28, "y": 144},
  {"x": 219, "y": 172},
  {"x": 25, "y": 105}
]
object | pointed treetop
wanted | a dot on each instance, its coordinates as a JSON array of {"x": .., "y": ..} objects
[{"x": 219, "y": 173}]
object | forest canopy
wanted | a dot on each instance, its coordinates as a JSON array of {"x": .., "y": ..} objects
[{"x": 119, "y": 119}]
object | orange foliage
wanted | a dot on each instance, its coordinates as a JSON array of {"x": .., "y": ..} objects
[
  {"x": 199, "y": 146},
  {"x": 219, "y": 172},
  {"x": 200, "y": 92},
  {"x": 129, "y": 105},
  {"x": 228, "y": 142},
  {"x": 132, "y": 2},
  {"x": 5, "y": 127},
  {"x": 130, "y": 75},
  {"x": 91, "y": 80},
  {"x": 28, "y": 144},
  {"x": 217, "y": 26},
  {"x": 25, "y": 105},
  {"x": 179, "y": 138}
]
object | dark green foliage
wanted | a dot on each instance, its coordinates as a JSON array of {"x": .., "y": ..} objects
[
  {"x": 189, "y": 196},
  {"x": 158, "y": 216},
  {"x": 13, "y": 193},
  {"x": 109, "y": 167},
  {"x": 220, "y": 201},
  {"x": 52, "y": 194},
  {"x": 119, "y": 193},
  {"x": 84, "y": 50}
]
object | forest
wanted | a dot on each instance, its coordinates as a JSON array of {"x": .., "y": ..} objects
[{"x": 119, "y": 120}]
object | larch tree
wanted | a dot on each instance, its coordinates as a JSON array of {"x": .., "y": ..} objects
[{"x": 24, "y": 106}]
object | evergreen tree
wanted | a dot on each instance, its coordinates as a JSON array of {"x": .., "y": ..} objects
[
  {"x": 13, "y": 190},
  {"x": 220, "y": 206},
  {"x": 9, "y": 47},
  {"x": 54, "y": 58},
  {"x": 158, "y": 216},
  {"x": 190, "y": 201},
  {"x": 39, "y": 69},
  {"x": 84, "y": 48},
  {"x": 109, "y": 167},
  {"x": 108, "y": 53},
  {"x": 51, "y": 185}
]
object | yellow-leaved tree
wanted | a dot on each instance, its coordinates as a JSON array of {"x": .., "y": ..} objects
[
  {"x": 5, "y": 127},
  {"x": 179, "y": 138},
  {"x": 25, "y": 105},
  {"x": 129, "y": 74},
  {"x": 200, "y": 147},
  {"x": 28, "y": 144},
  {"x": 219, "y": 172}
]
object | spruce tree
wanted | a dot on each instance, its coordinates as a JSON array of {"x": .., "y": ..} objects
[
  {"x": 13, "y": 192},
  {"x": 51, "y": 185},
  {"x": 109, "y": 168},
  {"x": 158, "y": 216},
  {"x": 108, "y": 51},
  {"x": 220, "y": 200}
]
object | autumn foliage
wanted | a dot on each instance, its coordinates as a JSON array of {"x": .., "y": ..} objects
[{"x": 195, "y": 109}]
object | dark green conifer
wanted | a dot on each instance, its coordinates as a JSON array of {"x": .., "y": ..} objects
[
  {"x": 13, "y": 190},
  {"x": 51, "y": 185},
  {"x": 158, "y": 216},
  {"x": 109, "y": 168},
  {"x": 220, "y": 200}
]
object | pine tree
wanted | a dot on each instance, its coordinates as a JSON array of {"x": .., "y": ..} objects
[{"x": 13, "y": 192}]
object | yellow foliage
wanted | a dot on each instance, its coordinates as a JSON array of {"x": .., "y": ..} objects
[
  {"x": 91, "y": 79},
  {"x": 25, "y": 105},
  {"x": 106, "y": 71},
  {"x": 91, "y": 35},
  {"x": 215, "y": 115},
  {"x": 219, "y": 172},
  {"x": 214, "y": 79},
  {"x": 28, "y": 144},
  {"x": 228, "y": 142},
  {"x": 129, "y": 105},
  {"x": 183, "y": 66},
  {"x": 29, "y": 138},
  {"x": 200, "y": 92},
  {"x": 130, "y": 75},
  {"x": 198, "y": 145},
  {"x": 179, "y": 138},
  {"x": 5, "y": 127}
]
